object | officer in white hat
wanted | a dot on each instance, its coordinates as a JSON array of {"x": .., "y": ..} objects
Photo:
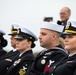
[
  {"x": 49, "y": 39},
  {"x": 3, "y": 43},
  {"x": 25, "y": 42},
  {"x": 7, "y": 59},
  {"x": 24, "y": 33},
  {"x": 67, "y": 66},
  {"x": 70, "y": 27},
  {"x": 13, "y": 33}
]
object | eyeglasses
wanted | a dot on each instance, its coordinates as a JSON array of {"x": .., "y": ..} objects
[{"x": 62, "y": 13}]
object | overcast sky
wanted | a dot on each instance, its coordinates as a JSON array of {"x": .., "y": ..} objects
[{"x": 30, "y": 13}]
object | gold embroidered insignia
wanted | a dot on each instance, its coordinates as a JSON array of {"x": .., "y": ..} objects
[
  {"x": 67, "y": 26},
  {"x": 22, "y": 71}
]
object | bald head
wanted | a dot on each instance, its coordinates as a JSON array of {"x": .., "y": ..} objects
[{"x": 65, "y": 13}]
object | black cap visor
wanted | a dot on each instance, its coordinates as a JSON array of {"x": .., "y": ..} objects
[{"x": 20, "y": 37}]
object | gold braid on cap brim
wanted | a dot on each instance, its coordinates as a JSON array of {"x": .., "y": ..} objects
[{"x": 70, "y": 31}]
